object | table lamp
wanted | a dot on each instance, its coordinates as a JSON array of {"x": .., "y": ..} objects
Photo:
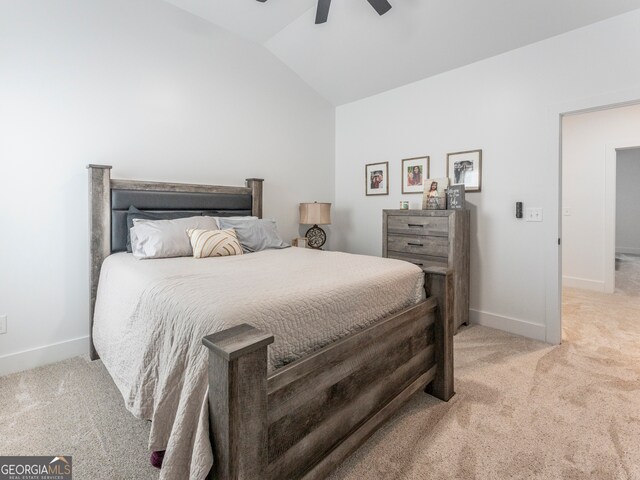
[{"x": 315, "y": 214}]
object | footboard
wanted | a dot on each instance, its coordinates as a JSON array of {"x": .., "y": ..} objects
[{"x": 305, "y": 418}]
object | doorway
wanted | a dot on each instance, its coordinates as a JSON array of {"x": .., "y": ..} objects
[
  {"x": 627, "y": 222},
  {"x": 598, "y": 149}
]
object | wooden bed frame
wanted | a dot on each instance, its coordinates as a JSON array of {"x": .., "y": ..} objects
[{"x": 303, "y": 419}]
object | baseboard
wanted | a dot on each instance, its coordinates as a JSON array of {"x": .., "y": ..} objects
[
  {"x": 583, "y": 283},
  {"x": 37, "y": 357},
  {"x": 628, "y": 250},
  {"x": 512, "y": 325}
]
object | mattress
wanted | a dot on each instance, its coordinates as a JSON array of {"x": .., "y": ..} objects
[{"x": 151, "y": 316}]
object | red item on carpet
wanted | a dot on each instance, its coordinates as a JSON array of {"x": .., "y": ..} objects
[{"x": 156, "y": 458}]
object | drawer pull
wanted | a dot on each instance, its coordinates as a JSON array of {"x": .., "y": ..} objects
[
  {"x": 415, "y": 244},
  {"x": 414, "y": 225},
  {"x": 417, "y": 263}
]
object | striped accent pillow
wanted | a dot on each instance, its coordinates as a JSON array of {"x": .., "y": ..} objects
[{"x": 214, "y": 243}]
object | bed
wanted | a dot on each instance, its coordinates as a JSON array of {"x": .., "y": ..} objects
[{"x": 263, "y": 365}]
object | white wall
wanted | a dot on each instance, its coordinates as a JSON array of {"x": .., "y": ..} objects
[
  {"x": 159, "y": 94},
  {"x": 509, "y": 106},
  {"x": 628, "y": 201},
  {"x": 587, "y": 140}
]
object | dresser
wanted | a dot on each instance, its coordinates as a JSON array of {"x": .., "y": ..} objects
[{"x": 438, "y": 242}]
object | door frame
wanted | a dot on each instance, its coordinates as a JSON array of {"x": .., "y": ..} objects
[
  {"x": 610, "y": 174},
  {"x": 556, "y": 113}
]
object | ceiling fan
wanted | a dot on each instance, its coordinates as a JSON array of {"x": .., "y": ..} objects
[{"x": 322, "y": 13}]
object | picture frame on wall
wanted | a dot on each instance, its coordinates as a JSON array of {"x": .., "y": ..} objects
[
  {"x": 465, "y": 168},
  {"x": 377, "y": 178},
  {"x": 414, "y": 172}
]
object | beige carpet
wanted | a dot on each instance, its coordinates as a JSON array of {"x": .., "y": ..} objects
[
  {"x": 73, "y": 408},
  {"x": 628, "y": 274},
  {"x": 523, "y": 410}
]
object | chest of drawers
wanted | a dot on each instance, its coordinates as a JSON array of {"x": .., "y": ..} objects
[{"x": 436, "y": 241}]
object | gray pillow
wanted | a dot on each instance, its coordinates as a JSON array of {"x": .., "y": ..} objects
[
  {"x": 254, "y": 234},
  {"x": 166, "y": 238},
  {"x": 134, "y": 213}
]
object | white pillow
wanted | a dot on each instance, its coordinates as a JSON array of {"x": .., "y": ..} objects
[{"x": 166, "y": 238}]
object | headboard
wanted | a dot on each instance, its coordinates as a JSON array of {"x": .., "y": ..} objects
[{"x": 110, "y": 199}]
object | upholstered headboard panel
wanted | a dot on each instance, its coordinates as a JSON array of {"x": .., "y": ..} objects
[
  {"x": 110, "y": 199},
  {"x": 197, "y": 203}
]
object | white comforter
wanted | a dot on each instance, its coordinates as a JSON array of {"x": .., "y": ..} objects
[{"x": 151, "y": 316}]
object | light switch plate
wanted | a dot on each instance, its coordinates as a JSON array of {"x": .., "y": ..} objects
[
  {"x": 3, "y": 324},
  {"x": 533, "y": 214}
]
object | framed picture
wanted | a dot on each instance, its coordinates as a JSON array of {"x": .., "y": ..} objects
[
  {"x": 414, "y": 171},
  {"x": 435, "y": 196},
  {"x": 465, "y": 168},
  {"x": 377, "y": 178},
  {"x": 455, "y": 197}
]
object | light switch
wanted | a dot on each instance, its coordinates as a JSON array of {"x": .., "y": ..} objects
[
  {"x": 533, "y": 214},
  {"x": 566, "y": 212}
]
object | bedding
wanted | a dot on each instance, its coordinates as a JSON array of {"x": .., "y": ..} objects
[
  {"x": 166, "y": 238},
  {"x": 150, "y": 318},
  {"x": 214, "y": 243},
  {"x": 135, "y": 214},
  {"x": 254, "y": 234}
]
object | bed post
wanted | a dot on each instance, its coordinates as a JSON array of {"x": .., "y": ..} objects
[
  {"x": 99, "y": 234},
  {"x": 441, "y": 287},
  {"x": 238, "y": 402},
  {"x": 255, "y": 184}
]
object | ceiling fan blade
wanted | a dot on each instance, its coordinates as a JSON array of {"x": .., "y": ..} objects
[
  {"x": 323, "y": 11},
  {"x": 381, "y": 6}
]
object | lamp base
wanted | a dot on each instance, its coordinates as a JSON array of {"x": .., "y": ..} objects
[{"x": 316, "y": 237}]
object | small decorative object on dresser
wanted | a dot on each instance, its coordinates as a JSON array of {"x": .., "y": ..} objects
[
  {"x": 438, "y": 242},
  {"x": 434, "y": 197},
  {"x": 315, "y": 214},
  {"x": 465, "y": 168},
  {"x": 300, "y": 242},
  {"x": 414, "y": 172},
  {"x": 455, "y": 197},
  {"x": 377, "y": 178}
]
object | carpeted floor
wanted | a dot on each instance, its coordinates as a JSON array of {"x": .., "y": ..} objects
[
  {"x": 627, "y": 274},
  {"x": 74, "y": 408},
  {"x": 523, "y": 410}
]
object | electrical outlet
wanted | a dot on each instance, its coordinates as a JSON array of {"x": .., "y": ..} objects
[
  {"x": 534, "y": 214},
  {"x": 3, "y": 324}
]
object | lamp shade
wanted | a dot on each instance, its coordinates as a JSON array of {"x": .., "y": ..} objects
[{"x": 315, "y": 213}]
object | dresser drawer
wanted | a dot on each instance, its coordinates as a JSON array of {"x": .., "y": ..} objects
[
  {"x": 417, "y": 225},
  {"x": 423, "y": 245},
  {"x": 423, "y": 261}
]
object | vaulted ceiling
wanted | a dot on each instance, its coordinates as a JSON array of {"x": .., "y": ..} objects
[{"x": 358, "y": 53}]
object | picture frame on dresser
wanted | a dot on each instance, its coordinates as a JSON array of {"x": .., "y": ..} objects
[
  {"x": 465, "y": 168},
  {"x": 376, "y": 178},
  {"x": 435, "y": 196},
  {"x": 414, "y": 172},
  {"x": 456, "y": 197}
]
